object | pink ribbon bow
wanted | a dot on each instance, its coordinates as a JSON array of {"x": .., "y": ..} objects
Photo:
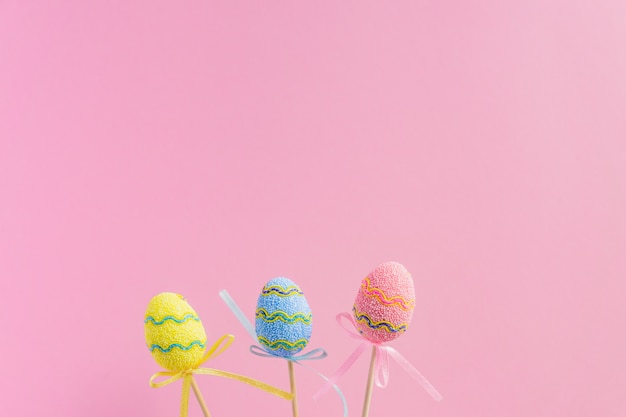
[{"x": 381, "y": 365}]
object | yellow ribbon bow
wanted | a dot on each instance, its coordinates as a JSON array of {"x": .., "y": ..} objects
[{"x": 188, "y": 381}]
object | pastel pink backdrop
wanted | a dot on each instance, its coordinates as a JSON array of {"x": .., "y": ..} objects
[{"x": 150, "y": 146}]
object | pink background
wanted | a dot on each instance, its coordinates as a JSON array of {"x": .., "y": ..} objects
[{"x": 150, "y": 146}]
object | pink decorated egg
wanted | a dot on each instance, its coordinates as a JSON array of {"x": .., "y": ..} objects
[{"x": 385, "y": 302}]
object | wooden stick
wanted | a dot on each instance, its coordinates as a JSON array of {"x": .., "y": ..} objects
[
  {"x": 370, "y": 385},
  {"x": 292, "y": 382},
  {"x": 196, "y": 391}
]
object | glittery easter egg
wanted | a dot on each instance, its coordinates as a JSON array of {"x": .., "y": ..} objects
[
  {"x": 283, "y": 318},
  {"x": 384, "y": 304},
  {"x": 174, "y": 332}
]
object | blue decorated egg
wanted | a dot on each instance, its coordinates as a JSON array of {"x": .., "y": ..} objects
[{"x": 283, "y": 318}]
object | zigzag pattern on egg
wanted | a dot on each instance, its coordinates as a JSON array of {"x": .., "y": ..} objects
[
  {"x": 384, "y": 304},
  {"x": 382, "y": 298},
  {"x": 390, "y": 327},
  {"x": 179, "y": 346},
  {"x": 283, "y": 318},
  {"x": 268, "y": 317},
  {"x": 284, "y": 344},
  {"x": 174, "y": 332},
  {"x": 173, "y": 318},
  {"x": 280, "y": 291}
]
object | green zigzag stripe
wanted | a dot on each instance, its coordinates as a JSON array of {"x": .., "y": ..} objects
[
  {"x": 179, "y": 346},
  {"x": 264, "y": 315},
  {"x": 173, "y": 318},
  {"x": 284, "y": 344},
  {"x": 280, "y": 291}
]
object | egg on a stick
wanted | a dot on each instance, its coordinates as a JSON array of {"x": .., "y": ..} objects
[
  {"x": 283, "y": 323},
  {"x": 175, "y": 336}
]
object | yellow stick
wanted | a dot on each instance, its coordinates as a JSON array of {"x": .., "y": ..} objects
[
  {"x": 196, "y": 391},
  {"x": 370, "y": 385},
  {"x": 292, "y": 382}
]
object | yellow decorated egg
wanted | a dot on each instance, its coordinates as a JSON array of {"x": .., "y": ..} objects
[{"x": 174, "y": 332}]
